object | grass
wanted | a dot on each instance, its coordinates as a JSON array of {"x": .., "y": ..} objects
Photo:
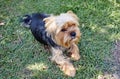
[{"x": 21, "y": 57}]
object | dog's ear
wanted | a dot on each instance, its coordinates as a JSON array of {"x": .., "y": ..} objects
[
  {"x": 70, "y": 12},
  {"x": 50, "y": 24},
  {"x": 48, "y": 21},
  {"x": 73, "y": 15}
]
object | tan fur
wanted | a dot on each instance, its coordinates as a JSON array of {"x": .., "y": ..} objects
[
  {"x": 54, "y": 26},
  {"x": 74, "y": 52},
  {"x": 64, "y": 63}
]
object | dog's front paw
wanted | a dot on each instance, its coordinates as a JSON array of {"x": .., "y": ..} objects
[
  {"x": 75, "y": 56},
  {"x": 68, "y": 69}
]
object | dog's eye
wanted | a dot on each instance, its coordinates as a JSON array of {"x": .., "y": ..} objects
[{"x": 63, "y": 30}]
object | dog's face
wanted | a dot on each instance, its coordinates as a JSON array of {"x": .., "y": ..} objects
[{"x": 63, "y": 28}]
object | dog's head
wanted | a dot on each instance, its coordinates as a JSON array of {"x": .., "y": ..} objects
[{"x": 63, "y": 28}]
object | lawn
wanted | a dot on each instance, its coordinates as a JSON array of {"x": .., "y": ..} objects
[{"x": 22, "y": 57}]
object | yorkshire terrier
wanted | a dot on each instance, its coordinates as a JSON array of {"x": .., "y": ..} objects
[{"x": 60, "y": 33}]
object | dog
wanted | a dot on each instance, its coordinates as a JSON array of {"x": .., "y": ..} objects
[{"x": 60, "y": 33}]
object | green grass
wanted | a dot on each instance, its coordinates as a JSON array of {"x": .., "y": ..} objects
[{"x": 22, "y": 57}]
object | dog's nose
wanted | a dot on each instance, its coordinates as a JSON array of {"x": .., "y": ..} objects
[{"x": 73, "y": 34}]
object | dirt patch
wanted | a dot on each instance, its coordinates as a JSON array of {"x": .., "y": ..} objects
[
  {"x": 114, "y": 63},
  {"x": 116, "y": 52},
  {"x": 116, "y": 57}
]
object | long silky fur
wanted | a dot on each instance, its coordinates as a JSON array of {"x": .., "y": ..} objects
[{"x": 37, "y": 26}]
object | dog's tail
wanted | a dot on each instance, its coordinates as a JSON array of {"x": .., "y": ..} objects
[{"x": 26, "y": 20}]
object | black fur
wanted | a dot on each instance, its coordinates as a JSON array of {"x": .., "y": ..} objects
[{"x": 37, "y": 27}]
